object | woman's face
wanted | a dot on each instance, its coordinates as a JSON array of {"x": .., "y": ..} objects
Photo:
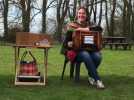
[{"x": 81, "y": 15}]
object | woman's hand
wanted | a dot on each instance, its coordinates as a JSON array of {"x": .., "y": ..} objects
[
  {"x": 83, "y": 29},
  {"x": 70, "y": 44}
]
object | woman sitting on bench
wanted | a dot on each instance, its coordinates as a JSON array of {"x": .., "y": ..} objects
[{"x": 91, "y": 59}]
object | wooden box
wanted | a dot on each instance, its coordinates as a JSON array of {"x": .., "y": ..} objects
[{"x": 91, "y": 40}]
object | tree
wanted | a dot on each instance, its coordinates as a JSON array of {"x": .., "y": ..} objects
[
  {"x": 112, "y": 25},
  {"x": 44, "y": 9},
  {"x": 132, "y": 22},
  {"x": 26, "y": 9},
  {"x": 5, "y": 17},
  {"x": 124, "y": 17},
  {"x": 62, "y": 7},
  {"x": 91, "y": 8},
  {"x": 129, "y": 18},
  {"x": 100, "y": 15},
  {"x": 106, "y": 17},
  {"x": 95, "y": 11},
  {"x": 72, "y": 10}
]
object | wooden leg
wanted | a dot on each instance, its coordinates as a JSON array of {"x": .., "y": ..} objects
[
  {"x": 124, "y": 47},
  {"x": 129, "y": 46},
  {"x": 17, "y": 49},
  {"x": 116, "y": 46},
  {"x": 15, "y": 58},
  {"x": 45, "y": 64},
  {"x": 111, "y": 46}
]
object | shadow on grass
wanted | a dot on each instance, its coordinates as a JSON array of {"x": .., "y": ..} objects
[
  {"x": 111, "y": 81},
  {"x": 118, "y": 87}
]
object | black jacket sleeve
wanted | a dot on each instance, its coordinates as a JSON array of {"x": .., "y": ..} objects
[
  {"x": 96, "y": 28},
  {"x": 68, "y": 37}
]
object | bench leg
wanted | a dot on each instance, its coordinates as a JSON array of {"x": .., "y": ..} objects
[
  {"x": 129, "y": 46},
  {"x": 116, "y": 47},
  {"x": 111, "y": 47},
  {"x": 125, "y": 47}
]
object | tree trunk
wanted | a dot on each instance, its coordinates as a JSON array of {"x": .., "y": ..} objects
[
  {"x": 5, "y": 17},
  {"x": 74, "y": 8},
  {"x": 25, "y": 4},
  {"x": 129, "y": 16},
  {"x": 62, "y": 8},
  {"x": 124, "y": 21},
  {"x": 59, "y": 31},
  {"x": 72, "y": 11},
  {"x": 132, "y": 25},
  {"x": 91, "y": 9},
  {"x": 112, "y": 18},
  {"x": 106, "y": 18},
  {"x": 100, "y": 15},
  {"x": 95, "y": 11},
  {"x": 44, "y": 9}
]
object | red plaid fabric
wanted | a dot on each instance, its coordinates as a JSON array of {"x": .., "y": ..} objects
[
  {"x": 71, "y": 54},
  {"x": 28, "y": 69}
]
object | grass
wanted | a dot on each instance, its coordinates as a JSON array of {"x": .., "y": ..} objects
[{"x": 116, "y": 70}]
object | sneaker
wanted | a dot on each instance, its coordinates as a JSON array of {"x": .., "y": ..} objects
[
  {"x": 99, "y": 84},
  {"x": 91, "y": 81}
]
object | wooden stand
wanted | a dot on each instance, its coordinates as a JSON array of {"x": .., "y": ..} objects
[
  {"x": 22, "y": 42},
  {"x": 17, "y": 66}
]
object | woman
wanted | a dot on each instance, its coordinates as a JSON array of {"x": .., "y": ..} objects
[{"x": 91, "y": 59}]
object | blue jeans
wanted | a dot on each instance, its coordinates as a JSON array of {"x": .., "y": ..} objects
[{"x": 92, "y": 60}]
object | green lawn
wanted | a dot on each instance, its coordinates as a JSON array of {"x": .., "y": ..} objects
[{"x": 116, "y": 70}]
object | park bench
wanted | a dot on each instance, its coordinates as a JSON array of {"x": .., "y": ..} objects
[
  {"x": 124, "y": 46},
  {"x": 116, "y": 43}
]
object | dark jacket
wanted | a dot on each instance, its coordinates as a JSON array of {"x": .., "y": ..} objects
[{"x": 68, "y": 37}]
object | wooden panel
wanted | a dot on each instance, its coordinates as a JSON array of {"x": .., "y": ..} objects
[
  {"x": 26, "y": 38},
  {"x": 29, "y": 83},
  {"x": 22, "y": 38}
]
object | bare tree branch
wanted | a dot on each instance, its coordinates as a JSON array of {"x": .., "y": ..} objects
[
  {"x": 35, "y": 15},
  {"x": 49, "y": 6}
]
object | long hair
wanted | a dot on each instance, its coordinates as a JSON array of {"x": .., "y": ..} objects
[{"x": 85, "y": 9}]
